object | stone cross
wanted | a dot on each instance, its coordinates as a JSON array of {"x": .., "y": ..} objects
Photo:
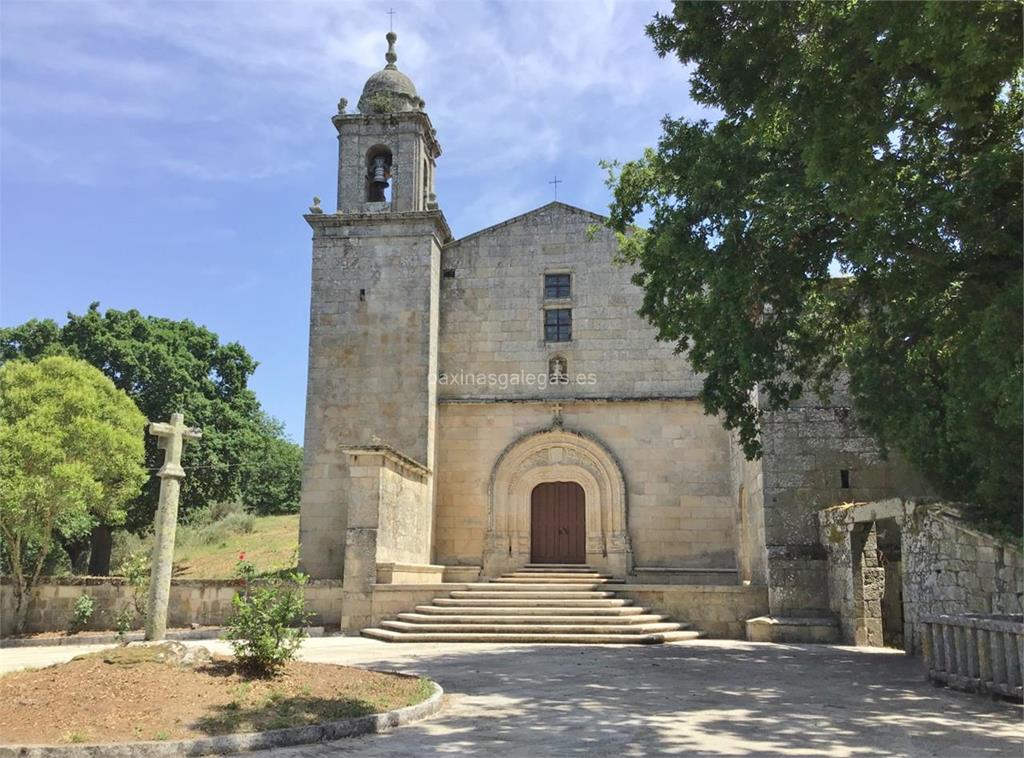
[
  {"x": 556, "y": 418},
  {"x": 172, "y": 438}
]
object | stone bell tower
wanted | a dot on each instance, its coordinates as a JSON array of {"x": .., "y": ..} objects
[{"x": 373, "y": 318}]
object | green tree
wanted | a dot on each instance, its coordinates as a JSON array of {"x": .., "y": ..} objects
[
  {"x": 71, "y": 455},
  {"x": 165, "y": 366},
  {"x": 879, "y": 138},
  {"x": 273, "y": 478}
]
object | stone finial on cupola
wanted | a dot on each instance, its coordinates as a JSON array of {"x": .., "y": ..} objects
[{"x": 389, "y": 90}]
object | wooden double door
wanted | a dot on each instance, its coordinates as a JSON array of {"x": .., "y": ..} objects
[{"x": 558, "y": 523}]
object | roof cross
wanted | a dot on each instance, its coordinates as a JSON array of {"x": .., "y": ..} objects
[
  {"x": 556, "y": 181},
  {"x": 391, "y": 19}
]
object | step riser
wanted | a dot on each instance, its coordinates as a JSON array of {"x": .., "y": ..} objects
[
  {"x": 556, "y": 567},
  {"x": 534, "y": 603},
  {"x": 528, "y": 595},
  {"x": 556, "y": 581},
  {"x": 613, "y": 612},
  {"x": 537, "y": 587},
  {"x": 402, "y": 626},
  {"x": 425, "y": 618},
  {"x": 562, "y": 639}
]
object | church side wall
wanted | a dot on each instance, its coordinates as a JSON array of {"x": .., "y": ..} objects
[
  {"x": 675, "y": 461},
  {"x": 747, "y": 479}
]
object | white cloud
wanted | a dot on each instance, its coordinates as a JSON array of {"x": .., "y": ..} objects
[{"x": 242, "y": 91}]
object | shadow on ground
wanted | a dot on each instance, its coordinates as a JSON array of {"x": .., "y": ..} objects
[{"x": 725, "y": 699}]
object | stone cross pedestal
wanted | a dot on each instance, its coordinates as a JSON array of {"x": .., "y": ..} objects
[{"x": 172, "y": 438}]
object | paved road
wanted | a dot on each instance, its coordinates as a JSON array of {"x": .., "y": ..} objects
[{"x": 707, "y": 698}]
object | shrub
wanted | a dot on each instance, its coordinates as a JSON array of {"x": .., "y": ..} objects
[
  {"x": 82, "y": 615},
  {"x": 211, "y": 513},
  {"x": 123, "y": 622},
  {"x": 136, "y": 570},
  {"x": 239, "y": 522},
  {"x": 213, "y": 524},
  {"x": 266, "y": 628},
  {"x": 125, "y": 544}
]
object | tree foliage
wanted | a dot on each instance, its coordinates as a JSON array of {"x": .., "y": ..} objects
[
  {"x": 168, "y": 366},
  {"x": 879, "y": 138},
  {"x": 273, "y": 483},
  {"x": 71, "y": 455}
]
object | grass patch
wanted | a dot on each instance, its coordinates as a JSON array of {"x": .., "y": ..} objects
[
  {"x": 210, "y": 549},
  {"x": 271, "y": 546}
]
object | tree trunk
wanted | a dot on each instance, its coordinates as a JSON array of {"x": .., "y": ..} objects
[
  {"x": 20, "y": 607},
  {"x": 99, "y": 557}
]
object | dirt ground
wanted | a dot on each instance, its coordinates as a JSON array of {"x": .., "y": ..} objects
[{"x": 89, "y": 700}]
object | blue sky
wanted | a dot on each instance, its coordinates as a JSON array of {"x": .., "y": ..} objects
[{"x": 160, "y": 156}]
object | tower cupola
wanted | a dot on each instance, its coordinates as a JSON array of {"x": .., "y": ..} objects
[
  {"x": 387, "y": 150},
  {"x": 389, "y": 90}
]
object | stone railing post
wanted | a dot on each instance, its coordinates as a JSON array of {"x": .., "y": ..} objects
[{"x": 975, "y": 652}]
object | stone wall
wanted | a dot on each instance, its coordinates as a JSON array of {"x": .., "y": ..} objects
[
  {"x": 806, "y": 450},
  {"x": 492, "y": 312},
  {"x": 747, "y": 482},
  {"x": 372, "y": 357},
  {"x": 405, "y": 520},
  {"x": 674, "y": 459},
  {"x": 721, "y": 611},
  {"x": 945, "y": 567},
  {"x": 204, "y": 602},
  {"x": 389, "y": 522}
]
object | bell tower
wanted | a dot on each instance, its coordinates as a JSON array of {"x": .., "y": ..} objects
[
  {"x": 386, "y": 151},
  {"x": 373, "y": 319}
]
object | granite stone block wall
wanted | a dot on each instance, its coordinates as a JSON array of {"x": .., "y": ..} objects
[
  {"x": 945, "y": 566},
  {"x": 674, "y": 459},
  {"x": 206, "y": 602}
]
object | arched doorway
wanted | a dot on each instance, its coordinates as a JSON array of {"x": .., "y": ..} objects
[
  {"x": 558, "y": 523},
  {"x": 553, "y": 456}
]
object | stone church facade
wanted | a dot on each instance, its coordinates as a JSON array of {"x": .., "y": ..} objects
[{"x": 480, "y": 403}]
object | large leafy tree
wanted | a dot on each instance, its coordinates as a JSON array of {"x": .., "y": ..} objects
[
  {"x": 879, "y": 139},
  {"x": 71, "y": 456},
  {"x": 273, "y": 480},
  {"x": 165, "y": 366}
]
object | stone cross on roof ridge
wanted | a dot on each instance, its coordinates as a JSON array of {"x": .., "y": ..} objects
[{"x": 172, "y": 438}]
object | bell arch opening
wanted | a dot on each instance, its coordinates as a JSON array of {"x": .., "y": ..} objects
[{"x": 378, "y": 174}]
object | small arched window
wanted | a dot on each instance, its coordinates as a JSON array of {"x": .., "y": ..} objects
[
  {"x": 558, "y": 370},
  {"x": 378, "y": 174}
]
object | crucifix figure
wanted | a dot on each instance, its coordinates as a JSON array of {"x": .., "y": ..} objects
[
  {"x": 556, "y": 181},
  {"x": 171, "y": 440}
]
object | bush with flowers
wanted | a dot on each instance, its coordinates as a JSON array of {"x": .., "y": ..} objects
[{"x": 267, "y": 626}]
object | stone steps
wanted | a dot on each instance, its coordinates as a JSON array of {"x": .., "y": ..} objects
[
  {"x": 534, "y": 628},
  {"x": 567, "y": 580},
  {"x": 550, "y": 567},
  {"x": 517, "y": 610},
  {"x": 520, "y": 593},
  {"x": 654, "y": 638},
  {"x": 525, "y": 602},
  {"x": 546, "y": 619},
  {"x": 552, "y": 604},
  {"x": 497, "y": 586}
]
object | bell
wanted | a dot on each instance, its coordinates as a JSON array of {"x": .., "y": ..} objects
[{"x": 380, "y": 171}]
